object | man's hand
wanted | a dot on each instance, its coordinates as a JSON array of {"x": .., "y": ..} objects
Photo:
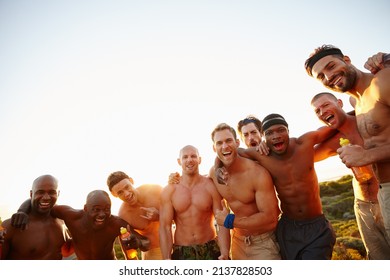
[
  {"x": 136, "y": 241},
  {"x": 20, "y": 220},
  {"x": 375, "y": 62},
  {"x": 262, "y": 148},
  {"x": 174, "y": 178},
  {"x": 223, "y": 258},
  {"x": 353, "y": 155},
  {"x": 220, "y": 215},
  {"x": 222, "y": 175},
  {"x": 151, "y": 213}
]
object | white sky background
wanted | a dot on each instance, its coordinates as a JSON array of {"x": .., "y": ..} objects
[{"x": 91, "y": 87}]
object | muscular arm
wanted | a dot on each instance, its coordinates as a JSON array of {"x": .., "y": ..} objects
[
  {"x": 382, "y": 81},
  {"x": 318, "y": 136},
  {"x": 327, "y": 148},
  {"x": 355, "y": 155},
  {"x": 223, "y": 233},
  {"x": 267, "y": 204},
  {"x": 166, "y": 217},
  {"x": 251, "y": 153},
  {"x": 65, "y": 212}
]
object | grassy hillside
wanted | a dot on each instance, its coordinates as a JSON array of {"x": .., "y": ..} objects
[{"x": 337, "y": 200}]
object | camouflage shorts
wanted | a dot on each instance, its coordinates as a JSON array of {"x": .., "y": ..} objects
[{"x": 206, "y": 251}]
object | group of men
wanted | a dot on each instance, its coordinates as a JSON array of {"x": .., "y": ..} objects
[{"x": 262, "y": 202}]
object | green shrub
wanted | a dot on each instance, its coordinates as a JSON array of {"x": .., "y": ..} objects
[{"x": 338, "y": 200}]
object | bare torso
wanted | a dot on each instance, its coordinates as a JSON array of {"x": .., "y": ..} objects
[
  {"x": 366, "y": 191},
  {"x": 373, "y": 117},
  {"x": 150, "y": 195},
  {"x": 243, "y": 185},
  {"x": 90, "y": 243},
  {"x": 42, "y": 240},
  {"x": 193, "y": 207},
  {"x": 295, "y": 180}
]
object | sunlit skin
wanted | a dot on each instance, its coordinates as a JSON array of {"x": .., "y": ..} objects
[
  {"x": 140, "y": 208},
  {"x": 291, "y": 164},
  {"x": 93, "y": 228},
  {"x": 334, "y": 73},
  {"x": 371, "y": 94},
  {"x": 250, "y": 191},
  {"x": 45, "y": 235},
  {"x": 191, "y": 204},
  {"x": 330, "y": 111},
  {"x": 277, "y": 138},
  {"x": 226, "y": 147}
]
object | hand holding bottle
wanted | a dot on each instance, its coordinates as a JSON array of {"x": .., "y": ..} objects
[
  {"x": 129, "y": 243},
  {"x": 361, "y": 173}
]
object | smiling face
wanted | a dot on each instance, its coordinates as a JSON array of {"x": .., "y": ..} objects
[
  {"x": 277, "y": 138},
  {"x": 125, "y": 191},
  {"x": 189, "y": 160},
  {"x": 335, "y": 73},
  {"x": 44, "y": 194},
  {"x": 98, "y": 208},
  {"x": 329, "y": 110},
  {"x": 225, "y": 145}
]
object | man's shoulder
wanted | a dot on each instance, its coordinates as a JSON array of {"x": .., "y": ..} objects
[
  {"x": 150, "y": 189},
  {"x": 385, "y": 72},
  {"x": 169, "y": 189},
  {"x": 207, "y": 182},
  {"x": 382, "y": 79},
  {"x": 6, "y": 223}
]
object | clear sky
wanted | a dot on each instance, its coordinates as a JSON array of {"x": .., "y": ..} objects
[{"x": 91, "y": 87}]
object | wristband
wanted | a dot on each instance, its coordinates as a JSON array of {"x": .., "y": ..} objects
[{"x": 229, "y": 220}]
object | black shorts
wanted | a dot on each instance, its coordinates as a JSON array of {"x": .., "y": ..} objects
[{"x": 305, "y": 240}]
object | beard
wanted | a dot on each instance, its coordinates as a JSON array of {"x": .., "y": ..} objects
[{"x": 350, "y": 77}]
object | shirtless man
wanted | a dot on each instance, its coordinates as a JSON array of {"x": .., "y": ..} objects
[
  {"x": 251, "y": 197},
  {"x": 371, "y": 98},
  {"x": 140, "y": 208},
  {"x": 369, "y": 219},
  {"x": 94, "y": 229},
  {"x": 45, "y": 235},
  {"x": 250, "y": 131},
  {"x": 303, "y": 232},
  {"x": 192, "y": 204}
]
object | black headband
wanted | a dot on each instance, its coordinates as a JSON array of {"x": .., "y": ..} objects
[
  {"x": 274, "y": 120},
  {"x": 313, "y": 60}
]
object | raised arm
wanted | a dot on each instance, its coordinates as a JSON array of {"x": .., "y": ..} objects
[{"x": 377, "y": 62}]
